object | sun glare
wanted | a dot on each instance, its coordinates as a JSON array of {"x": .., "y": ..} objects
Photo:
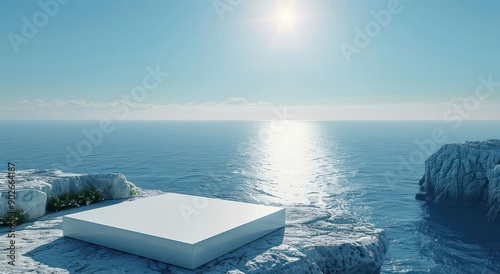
[
  {"x": 286, "y": 18},
  {"x": 288, "y": 162},
  {"x": 287, "y": 26}
]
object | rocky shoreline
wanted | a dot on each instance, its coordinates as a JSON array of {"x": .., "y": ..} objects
[
  {"x": 465, "y": 175},
  {"x": 35, "y": 187},
  {"x": 313, "y": 241}
]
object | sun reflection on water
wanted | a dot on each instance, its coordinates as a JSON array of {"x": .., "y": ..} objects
[{"x": 294, "y": 166}]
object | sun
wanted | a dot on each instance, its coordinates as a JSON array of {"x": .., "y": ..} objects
[{"x": 286, "y": 18}]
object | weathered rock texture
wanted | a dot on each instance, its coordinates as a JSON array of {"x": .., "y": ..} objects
[
  {"x": 314, "y": 241},
  {"x": 464, "y": 175},
  {"x": 35, "y": 187}
]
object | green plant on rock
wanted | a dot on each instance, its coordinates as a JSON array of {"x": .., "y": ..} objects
[
  {"x": 133, "y": 192},
  {"x": 13, "y": 217},
  {"x": 69, "y": 200}
]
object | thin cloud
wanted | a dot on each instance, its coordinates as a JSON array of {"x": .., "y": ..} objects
[
  {"x": 462, "y": 101},
  {"x": 83, "y": 104}
]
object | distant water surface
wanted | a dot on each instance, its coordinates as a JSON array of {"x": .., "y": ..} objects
[{"x": 369, "y": 169}]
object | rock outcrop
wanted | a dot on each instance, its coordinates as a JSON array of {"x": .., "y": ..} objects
[
  {"x": 464, "y": 175},
  {"x": 35, "y": 187},
  {"x": 314, "y": 241}
]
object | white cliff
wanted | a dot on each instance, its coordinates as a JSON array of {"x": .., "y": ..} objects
[{"x": 464, "y": 175}]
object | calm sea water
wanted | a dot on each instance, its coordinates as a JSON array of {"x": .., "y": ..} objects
[{"x": 370, "y": 169}]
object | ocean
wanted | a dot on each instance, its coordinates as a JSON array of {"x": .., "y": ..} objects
[{"x": 368, "y": 169}]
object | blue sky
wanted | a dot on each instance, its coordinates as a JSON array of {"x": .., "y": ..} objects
[{"x": 244, "y": 59}]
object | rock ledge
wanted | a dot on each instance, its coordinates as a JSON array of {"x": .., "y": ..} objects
[
  {"x": 464, "y": 175},
  {"x": 35, "y": 187},
  {"x": 314, "y": 240}
]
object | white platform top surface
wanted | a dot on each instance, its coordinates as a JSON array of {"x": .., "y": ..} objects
[{"x": 178, "y": 217}]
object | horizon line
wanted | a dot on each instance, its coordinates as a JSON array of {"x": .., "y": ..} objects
[{"x": 242, "y": 120}]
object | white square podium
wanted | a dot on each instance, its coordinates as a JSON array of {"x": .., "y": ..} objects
[{"x": 182, "y": 230}]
